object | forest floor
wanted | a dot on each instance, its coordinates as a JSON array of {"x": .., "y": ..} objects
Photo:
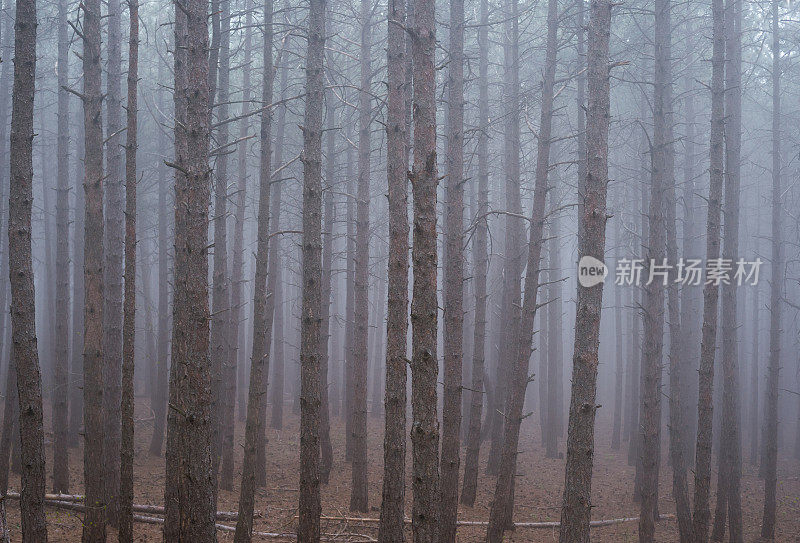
[{"x": 538, "y": 489}]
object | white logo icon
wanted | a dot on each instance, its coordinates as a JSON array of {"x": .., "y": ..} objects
[{"x": 591, "y": 271}]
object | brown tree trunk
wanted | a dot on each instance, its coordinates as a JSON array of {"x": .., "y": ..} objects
[
  {"x": 349, "y": 300},
  {"x": 616, "y": 433},
  {"x": 10, "y": 418},
  {"x": 274, "y": 274},
  {"x": 113, "y": 265},
  {"x": 731, "y": 451},
  {"x": 220, "y": 295},
  {"x": 308, "y": 528},
  {"x": 480, "y": 265},
  {"x": 391, "y": 527},
  {"x": 326, "y": 449},
  {"x": 61, "y": 365},
  {"x": 655, "y": 285},
  {"x": 190, "y": 484},
  {"x": 576, "y": 509},
  {"x": 78, "y": 299},
  {"x": 755, "y": 427},
  {"x": 770, "y": 438},
  {"x": 453, "y": 277},
  {"x": 358, "y": 496},
  {"x": 94, "y": 520},
  {"x": 23, "y": 316},
  {"x": 500, "y": 514},
  {"x": 555, "y": 385},
  {"x": 159, "y": 392},
  {"x": 702, "y": 474},
  {"x": 424, "y": 366},
  {"x": 129, "y": 322},
  {"x": 259, "y": 362}
]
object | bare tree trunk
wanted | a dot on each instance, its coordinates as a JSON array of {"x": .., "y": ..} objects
[
  {"x": 78, "y": 299},
  {"x": 112, "y": 270},
  {"x": 576, "y": 509},
  {"x": 10, "y": 418},
  {"x": 358, "y": 496},
  {"x": 653, "y": 306},
  {"x": 349, "y": 302},
  {"x": 424, "y": 366},
  {"x": 555, "y": 370},
  {"x": 159, "y": 393},
  {"x": 515, "y": 228},
  {"x": 770, "y": 438},
  {"x": 94, "y": 520},
  {"x": 326, "y": 449},
  {"x": 705, "y": 406},
  {"x": 220, "y": 295},
  {"x": 731, "y": 450},
  {"x": 259, "y": 362},
  {"x": 308, "y": 528},
  {"x": 392, "y": 523},
  {"x": 274, "y": 274},
  {"x": 189, "y": 504},
  {"x": 480, "y": 265},
  {"x": 61, "y": 366},
  {"x": 23, "y": 313},
  {"x": 453, "y": 278},
  {"x": 501, "y": 511},
  {"x": 129, "y": 322},
  {"x": 754, "y": 384}
]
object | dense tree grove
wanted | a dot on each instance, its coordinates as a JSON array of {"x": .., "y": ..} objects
[{"x": 315, "y": 270}]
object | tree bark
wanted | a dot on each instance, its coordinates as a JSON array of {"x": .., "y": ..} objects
[
  {"x": 481, "y": 267},
  {"x": 555, "y": 371},
  {"x": 501, "y": 511},
  {"x": 23, "y": 315},
  {"x": 259, "y": 362},
  {"x": 424, "y": 366},
  {"x": 702, "y": 476},
  {"x": 129, "y": 322},
  {"x": 94, "y": 520},
  {"x": 61, "y": 365},
  {"x": 78, "y": 299},
  {"x": 310, "y": 507},
  {"x": 453, "y": 278},
  {"x": 113, "y": 265},
  {"x": 576, "y": 509},
  {"x": 391, "y": 527},
  {"x": 616, "y": 433},
  {"x": 189, "y": 504},
  {"x": 358, "y": 496}
]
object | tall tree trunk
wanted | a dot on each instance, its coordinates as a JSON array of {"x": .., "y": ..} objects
[
  {"x": 392, "y": 518},
  {"x": 259, "y": 361},
  {"x": 61, "y": 366},
  {"x": 358, "y": 496},
  {"x": 94, "y": 520},
  {"x": 731, "y": 451},
  {"x": 189, "y": 496},
  {"x": 512, "y": 271},
  {"x": 655, "y": 286},
  {"x": 453, "y": 278},
  {"x": 770, "y": 438},
  {"x": 10, "y": 419},
  {"x": 576, "y": 509},
  {"x": 129, "y": 323},
  {"x": 237, "y": 274},
  {"x": 349, "y": 300},
  {"x": 23, "y": 313},
  {"x": 555, "y": 370},
  {"x": 78, "y": 298},
  {"x": 112, "y": 270},
  {"x": 424, "y": 365},
  {"x": 326, "y": 449},
  {"x": 159, "y": 392},
  {"x": 500, "y": 514},
  {"x": 274, "y": 274},
  {"x": 220, "y": 295},
  {"x": 754, "y": 384},
  {"x": 702, "y": 474},
  {"x": 480, "y": 265},
  {"x": 308, "y": 528},
  {"x": 24, "y": 344}
]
